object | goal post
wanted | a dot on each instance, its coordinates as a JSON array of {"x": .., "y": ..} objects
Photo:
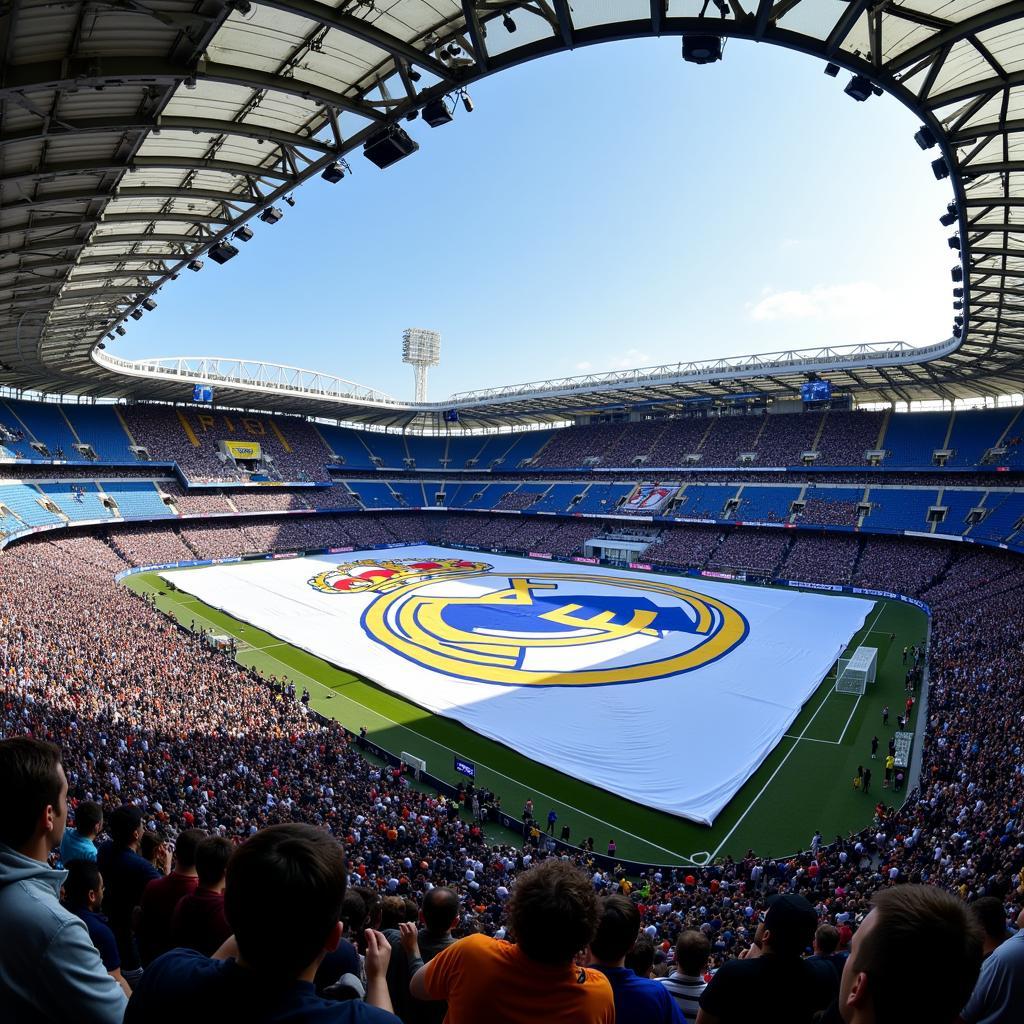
[
  {"x": 417, "y": 764},
  {"x": 857, "y": 671}
]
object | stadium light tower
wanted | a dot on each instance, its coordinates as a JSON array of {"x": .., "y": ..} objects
[{"x": 421, "y": 349}]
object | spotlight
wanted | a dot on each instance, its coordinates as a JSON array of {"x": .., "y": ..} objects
[
  {"x": 956, "y": 331},
  {"x": 333, "y": 173},
  {"x": 949, "y": 217},
  {"x": 389, "y": 145},
  {"x": 271, "y": 215},
  {"x": 957, "y": 273},
  {"x": 859, "y": 88},
  {"x": 149, "y": 304},
  {"x": 120, "y": 331},
  {"x": 940, "y": 168},
  {"x": 436, "y": 113},
  {"x": 110, "y": 337},
  {"x": 506, "y": 20},
  {"x": 290, "y": 200},
  {"x": 959, "y": 304},
  {"x": 101, "y": 345},
  {"x": 243, "y": 7},
  {"x": 414, "y": 75},
  {"x": 831, "y": 70},
  {"x": 454, "y": 51},
  {"x": 958, "y": 320},
  {"x": 954, "y": 242},
  {"x": 958, "y": 293},
  {"x": 136, "y": 314},
  {"x": 196, "y": 265},
  {"x": 702, "y": 49},
  {"x": 467, "y": 101},
  {"x": 924, "y": 137},
  {"x": 222, "y": 252},
  {"x": 244, "y": 233},
  {"x": 412, "y": 115}
]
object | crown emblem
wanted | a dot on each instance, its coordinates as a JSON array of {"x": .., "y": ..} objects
[{"x": 378, "y": 576}]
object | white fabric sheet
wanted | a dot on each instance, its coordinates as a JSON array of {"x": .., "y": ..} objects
[{"x": 668, "y": 691}]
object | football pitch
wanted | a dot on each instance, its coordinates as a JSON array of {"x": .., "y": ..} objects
[{"x": 804, "y": 783}]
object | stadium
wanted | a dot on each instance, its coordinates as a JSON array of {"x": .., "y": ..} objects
[{"x": 709, "y": 632}]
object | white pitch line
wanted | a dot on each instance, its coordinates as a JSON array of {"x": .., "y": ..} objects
[{"x": 778, "y": 768}]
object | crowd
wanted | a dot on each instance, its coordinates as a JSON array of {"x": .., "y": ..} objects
[
  {"x": 147, "y": 716},
  {"x": 820, "y": 511}
]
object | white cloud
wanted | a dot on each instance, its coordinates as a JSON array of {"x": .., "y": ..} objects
[
  {"x": 584, "y": 366},
  {"x": 631, "y": 359},
  {"x": 825, "y": 302}
]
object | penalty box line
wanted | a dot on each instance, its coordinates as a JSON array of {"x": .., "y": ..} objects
[
  {"x": 797, "y": 741},
  {"x": 567, "y": 806}
]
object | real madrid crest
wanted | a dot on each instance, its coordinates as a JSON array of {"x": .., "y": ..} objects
[{"x": 568, "y": 628}]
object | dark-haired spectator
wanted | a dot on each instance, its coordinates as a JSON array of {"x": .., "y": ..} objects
[
  {"x": 638, "y": 1000},
  {"x": 83, "y": 896},
  {"x": 283, "y": 897},
  {"x": 126, "y": 873},
  {"x": 991, "y": 916},
  {"x": 79, "y": 843},
  {"x": 640, "y": 959},
  {"x": 199, "y": 922},
  {"x": 552, "y": 914},
  {"x": 771, "y": 984},
  {"x": 438, "y": 915},
  {"x": 154, "y": 847},
  {"x": 915, "y": 957},
  {"x": 998, "y": 996},
  {"x": 686, "y": 983},
  {"x": 160, "y": 897},
  {"x": 49, "y": 967}
]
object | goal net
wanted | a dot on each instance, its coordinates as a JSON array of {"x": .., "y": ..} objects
[
  {"x": 857, "y": 671},
  {"x": 417, "y": 764}
]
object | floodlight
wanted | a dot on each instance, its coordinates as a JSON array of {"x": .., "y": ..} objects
[
  {"x": 940, "y": 168},
  {"x": 925, "y": 137},
  {"x": 858, "y": 88},
  {"x": 389, "y": 145},
  {"x": 958, "y": 292},
  {"x": 290, "y": 200},
  {"x": 467, "y": 102},
  {"x": 149, "y": 304},
  {"x": 101, "y": 345},
  {"x": 831, "y": 70},
  {"x": 333, "y": 173},
  {"x": 196, "y": 265},
  {"x": 957, "y": 273},
  {"x": 701, "y": 48},
  {"x": 222, "y": 252},
  {"x": 414, "y": 75},
  {"x": 958, "y": 304},
  {"x": 506, "y": 20},
  {"x": 949, "y": 217},
  {"x": 244, "y": 233},
  {"x": 271, "y": 215},
  {"x": 436, "y": 113},
  {"x": 136, "y": 314},
  {"x": 954, "y": 242},
  {"x": 120, "y": 331}
]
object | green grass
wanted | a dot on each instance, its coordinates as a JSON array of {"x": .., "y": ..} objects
[{"x": 804, "y": 784}]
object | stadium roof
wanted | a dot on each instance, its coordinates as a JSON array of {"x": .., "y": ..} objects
[{"x": 136, "y": 134}]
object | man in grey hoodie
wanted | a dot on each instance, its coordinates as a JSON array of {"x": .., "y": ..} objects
[{"x": 49, "y": 968}]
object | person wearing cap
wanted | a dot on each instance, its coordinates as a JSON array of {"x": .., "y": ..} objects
[{"x": 771, "y": 983}]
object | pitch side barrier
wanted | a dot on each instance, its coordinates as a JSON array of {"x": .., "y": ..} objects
[{"x": 442, "y": 786}]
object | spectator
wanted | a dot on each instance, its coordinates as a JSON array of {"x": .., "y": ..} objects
[
  {"x": 198, "y": 921},
  {"x": 153, "y": 846},
  {"x": 83, "y": 896},
  {"x": 772, "y": 983},
  {"x": 125, "y": 874},
  {"x": 161, "y": 896},
  {"x": 49, "y": 968},
  {"x": 826, "y": 959},
  {"x": 686, "y": 983},
  {"x": 283, "y": 897},
  {"x": 991, "y": 917},
  {"x": 552, "y": 915},
  {"x": 439, "y": 915},
  {"x": 915, "y": 958},
  {"x": 637, "y": 1000},
  {"x": 998, "y": 997},
  {"x": 79, "y": 843}
]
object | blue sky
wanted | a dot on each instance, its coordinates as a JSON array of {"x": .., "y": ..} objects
[{"x": 610, "y": 207}]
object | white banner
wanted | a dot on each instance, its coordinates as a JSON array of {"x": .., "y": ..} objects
[{"x": 666, "y": 690}]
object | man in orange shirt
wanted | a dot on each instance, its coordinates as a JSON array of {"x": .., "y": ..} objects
[{"x": 553, "y": 915}]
